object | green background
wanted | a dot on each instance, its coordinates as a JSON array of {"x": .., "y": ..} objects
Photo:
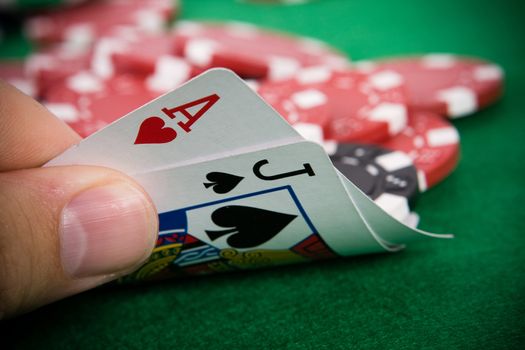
[{"x": 464, "y": 293}]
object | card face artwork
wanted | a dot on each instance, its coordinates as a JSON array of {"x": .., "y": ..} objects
[{"x": 211, "y": 116}]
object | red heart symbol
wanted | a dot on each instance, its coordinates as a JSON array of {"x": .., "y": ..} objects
[{"x": 152, "y": 130}]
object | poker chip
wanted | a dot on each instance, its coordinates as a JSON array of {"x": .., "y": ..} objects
[
  {"x": 411, "y": 220},
  {"x": 379, "y": 121},
  {"x": 14, "y": 73},
  {"x": 297, "y": 104},
  {"x": 156, "y": 61},
  {"x": 85, "y": 23},
  {"x": 87, "y": 103},
  {"x": 445, "y": 84},
  {"x": 250, "y": 51},
  {"x": 433, "y": 145},
  {"x": 127, "y": 59},
  {"x": 389, "y": 178},
  {"x": 314, "y": 133},
  {"x": 355, "y": 107},
  {"x": 112, "y": 56},
  {"x": 53, "y": 65},
  {"x": 169, "y": 73}
]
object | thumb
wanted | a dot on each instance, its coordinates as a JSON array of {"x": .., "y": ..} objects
[{"x": 67, "y": 229}]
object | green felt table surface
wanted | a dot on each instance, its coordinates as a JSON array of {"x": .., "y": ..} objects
[{"x": 466, "y": 293}]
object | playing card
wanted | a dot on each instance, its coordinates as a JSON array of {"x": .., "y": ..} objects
[
  {"x": 212, "y": 116},
  {"x": 386, "y": 228},
  {"x": 236, "y": 187},
  {"x": 280, "y": 205}
]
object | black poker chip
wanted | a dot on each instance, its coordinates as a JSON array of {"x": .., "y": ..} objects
[{"x": 387, "y": 177}]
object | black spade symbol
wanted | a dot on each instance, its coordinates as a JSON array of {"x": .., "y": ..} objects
[
  {"x": 222, "y": 182},
  {"x": 250, "y": 226}
]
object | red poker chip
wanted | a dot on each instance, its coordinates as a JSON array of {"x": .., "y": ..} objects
[
  {"x": 445, "y": 84},
  {"x": 14, "y": 73},
  {"x": 139, "y": 55},
  {"x": 87, "y": 103},
  {"x": 56, "y": 64},
  {"x": 250, "y": 51},
  {"x": 155, "y": 61},
  {"x": 364, "y": 108},
  {"x": 296, "y": 103},
  {"x": 433, "y": 144},
  {"x": 85, "y": 23}
]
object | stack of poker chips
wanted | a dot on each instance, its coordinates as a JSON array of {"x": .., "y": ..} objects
[{"x": 385, "y": 123}]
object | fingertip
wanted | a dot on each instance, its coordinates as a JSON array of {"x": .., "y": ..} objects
[{"x": 30, "y": 135}]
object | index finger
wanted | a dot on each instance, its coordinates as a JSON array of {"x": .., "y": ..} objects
[{"x": 30, "y": 135}]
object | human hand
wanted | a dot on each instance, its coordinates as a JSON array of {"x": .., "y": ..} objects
[{"x": 63, "y": 229}]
